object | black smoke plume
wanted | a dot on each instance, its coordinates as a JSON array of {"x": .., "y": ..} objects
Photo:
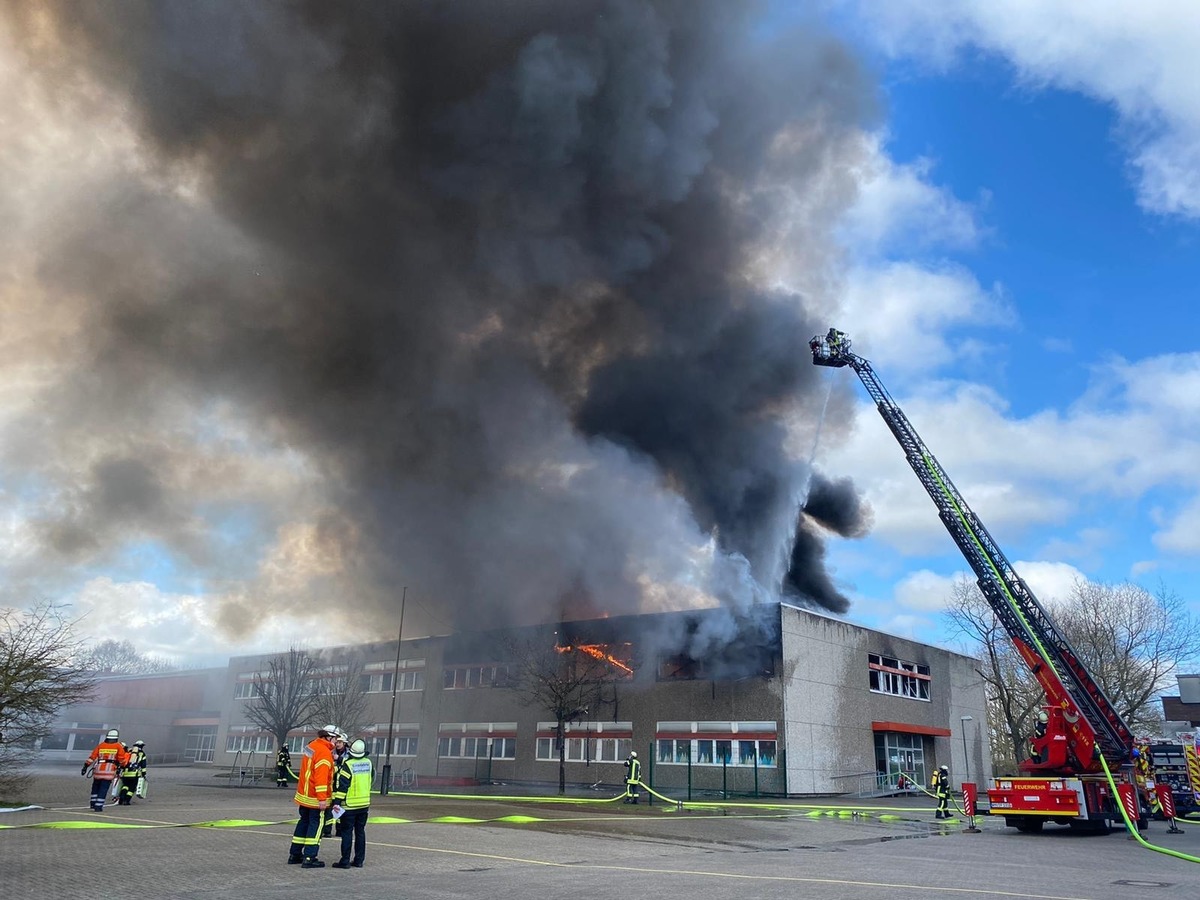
[{"x": 494, "y": 282}]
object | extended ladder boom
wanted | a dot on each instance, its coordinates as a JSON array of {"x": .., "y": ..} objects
[{"x": 1090, "y": 721}]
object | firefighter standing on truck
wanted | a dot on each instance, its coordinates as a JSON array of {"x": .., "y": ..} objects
[
  {"x": 104, "y": 764},
  {"x": 633, "y": 777},
  {"x": 313, "y": 791},
  {"x": 941, "y": 787}
]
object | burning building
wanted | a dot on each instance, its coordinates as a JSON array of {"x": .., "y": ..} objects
[{"x": 799, "y": 703}]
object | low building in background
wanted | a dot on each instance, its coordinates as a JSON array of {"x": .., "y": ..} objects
[{"x": 177, "y": 714}]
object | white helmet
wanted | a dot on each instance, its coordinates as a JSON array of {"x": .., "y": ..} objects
[
  {"x": 358, "y": 748},
  {"x": 328, "y": 731},
  {"x": 633, "y": 754},
  {"x": 343, "y": 737},
  {"x": 112, "y": 735}
]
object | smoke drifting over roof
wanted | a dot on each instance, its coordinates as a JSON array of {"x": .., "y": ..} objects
[{"x": 478, "y": 298}]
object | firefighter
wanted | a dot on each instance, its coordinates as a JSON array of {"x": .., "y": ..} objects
[
  {"x": 941, "y": 785},
  {"x": 1039, "y": 732},
  {"x": 283, "y": 765},
  {"x": 341, "y": 744},
  {"x": 633, "y": 777},
  {"x": 352, "y": 792},
  {"x": 143, "y": 769},
  {"x": 129, "y": 773},
  {"x": 313, "y": 791},
  {"x": 104, "y": 763}
]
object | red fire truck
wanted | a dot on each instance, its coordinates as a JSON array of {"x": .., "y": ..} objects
[{"x": 1064, "y": 781}]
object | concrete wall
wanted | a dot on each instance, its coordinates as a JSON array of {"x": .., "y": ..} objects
[{"x": 829, "y": 706}]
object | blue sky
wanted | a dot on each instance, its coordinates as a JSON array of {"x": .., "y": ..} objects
[
  {"x": 1016, "y": 237},
  {"x": 1082, "y": 345}
]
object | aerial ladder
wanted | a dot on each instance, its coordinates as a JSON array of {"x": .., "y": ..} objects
[{"x": 1066, "y": 780}]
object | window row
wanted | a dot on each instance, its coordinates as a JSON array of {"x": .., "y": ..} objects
[
  {"x": 252, "y": 743},
  {"x": 245, "y": 690},
  {"x": 717, "y": 752},
  {"x": 382, "y": 682},
  {"x": 459, "y": 677},
  {"x": 577, "y": 749},
  {"x": 671, "y": 751},
  {"x": 477, "y": 747}
]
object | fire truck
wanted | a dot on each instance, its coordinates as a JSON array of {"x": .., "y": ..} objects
[
  {"x": 1176, "y": 763},
  {"x": 1064, "y": 780}
]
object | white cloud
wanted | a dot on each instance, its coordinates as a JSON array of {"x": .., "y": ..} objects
[
  {"x": 899, "y": 313},
  {"x": 899, "y": 206},
  {"x": 1051, "y": 582},
  {"x": 929, "y": 592},
  {"x": 183, "y": 627},
  {"x": 1140, "y": 58},
  {"x": 1181, "y": 533},
  {"x": 1133, "y": 430},
  {"x": 924, "y": 590}
]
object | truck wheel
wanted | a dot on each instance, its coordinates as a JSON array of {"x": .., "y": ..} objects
[{"x": 1031, "y": 826}]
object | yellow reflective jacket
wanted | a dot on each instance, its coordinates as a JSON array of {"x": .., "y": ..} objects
[{"x": 353, "y": 788}]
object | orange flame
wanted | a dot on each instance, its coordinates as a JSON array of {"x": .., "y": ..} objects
[{"x": 598, "y": 652}]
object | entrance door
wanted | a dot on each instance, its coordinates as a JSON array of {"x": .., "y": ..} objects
[{"x": 201, "y": 744}]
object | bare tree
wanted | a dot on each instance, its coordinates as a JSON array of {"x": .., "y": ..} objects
[
  {"x": 38, "y": 675},
  {"x": 121, "y": 658},
  {"x": 286, "y": 694},
  {"x": 1013, "y": 695},
  {"x": 339, "y": 697},
  {"x": 566, "y": 681},
  {"x": 1130, "y": 641}
]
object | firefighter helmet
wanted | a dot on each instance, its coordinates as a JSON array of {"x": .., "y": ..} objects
[
  {"x": 944, "y": 768},
  {"x": 139, "y": 743},
  {"x": 358, "y": 748},
  {"x": 328, "y": 731},
  {"x": 633, "y": 754},
  {"x": 112, "y": 735},
  {"x": 1043, "y": 716}
]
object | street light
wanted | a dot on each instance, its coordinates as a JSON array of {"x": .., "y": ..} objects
[
  {"x": 385, "y": 782},
  {"x": 966, "y": 759}
]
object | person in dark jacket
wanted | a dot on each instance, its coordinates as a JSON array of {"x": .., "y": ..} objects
[
  {"x": 942, "y": 790},
  {"x": 283, "y": 765},
  {"x": 352, "y": 792},
  {"x": 633, "y": 777}
]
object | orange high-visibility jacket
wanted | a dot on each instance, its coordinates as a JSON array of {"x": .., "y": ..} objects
[
  {"x": 316, "y": 774},
  {"x": 107, "y": 759}
]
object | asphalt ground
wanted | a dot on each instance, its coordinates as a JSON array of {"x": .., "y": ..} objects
[{"x": 458, "y": 847}]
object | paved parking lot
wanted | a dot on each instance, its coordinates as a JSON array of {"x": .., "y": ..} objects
[{"x": 453, "y": 847}]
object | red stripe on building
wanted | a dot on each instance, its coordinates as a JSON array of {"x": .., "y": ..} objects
[{"x": 905, "y": 728}]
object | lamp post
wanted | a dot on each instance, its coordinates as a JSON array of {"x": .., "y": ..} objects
[
  {"x": 385, "y": 782},
  {"x": 966, "y": 759}
]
